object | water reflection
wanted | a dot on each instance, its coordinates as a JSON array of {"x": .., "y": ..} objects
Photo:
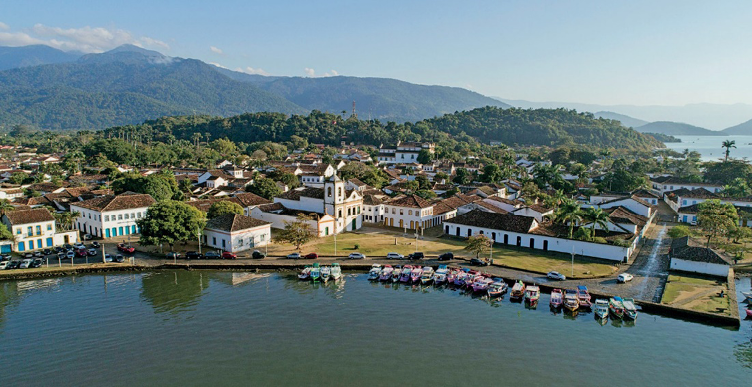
[{"x": 173, "y": 292}]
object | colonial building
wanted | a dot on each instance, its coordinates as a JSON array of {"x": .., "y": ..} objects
[
  {"x": 35, "y": 229},
  {"x": 111, "y": 216},
  {"x": 410, "y": 212},
  {"x": 689, "y": 257},
  {"x": 403, "y": 152},
  {"x": 234, "y": 233}
]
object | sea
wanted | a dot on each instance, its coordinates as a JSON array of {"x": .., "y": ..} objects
[{"x": 710, "y": 146}]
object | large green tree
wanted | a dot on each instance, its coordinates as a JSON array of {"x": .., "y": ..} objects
[
  {"x": 298, "y": 232},
  {"x": 478, "y": 244},
  {"x": 716, "y": 218},
  {"x": 223, "y": 207},
  {"x": 266, "y": 188},
  {"x": 169, "y": 222}
]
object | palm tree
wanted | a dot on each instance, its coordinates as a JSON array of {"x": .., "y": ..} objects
[
  {"x": 728, "y": 144},
  {"x": 596, "y": 216},
  {"x": 569, "y": 212},
  {"x": 5, "y": 206}
]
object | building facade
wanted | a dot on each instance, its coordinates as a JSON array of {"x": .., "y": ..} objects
[{"x": 111, "y": 216}]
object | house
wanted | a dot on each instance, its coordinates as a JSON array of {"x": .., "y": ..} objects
[
  {"x": 278, "y": 216},
  {"x": 234, "y": 233},
  {"x": 410, "y": 212},
  {"x": 536, "y": 211},
  {"x": 668, "y": 183},
  {"x": 403, "y": 152},
  {"x": 111, "y": 216},
  {"x": 35, "y": 229},
  {"x": 633, "y": 203},
  {"x": 687, "y": 256},
  {"x": 373, "y": 208}
]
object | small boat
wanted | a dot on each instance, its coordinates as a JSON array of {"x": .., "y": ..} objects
[
  {"x": 405, "y": 276},
  {"x": 471, "y": 276},
  {"x": 440, "y": 275},
  {"x": 373, "y": 274},
  {"x": 630, "y": 310},
  {"x": 571, "y": 302},
  {"x": 749, "y": 312},
  {"x": 305, "y": 273},
  {"x": 497, "y": 288},
  {"x": 747, "y": 296},
  {"x": 481, "y": 284},
  {"x": 396, "y": 273},
  {"x": 386, "y": 273},
  {"x": 601, "y": 309},
  {"x": 326, "y": 273},
  {"x": 427, "y": 276},
  {"x": 557, "y": 299},
  {"x": 518, "y": 290},
  {"x": 584, "y": 297},
  {"x": 415, "y": 274},
  {"x": 315, "y": 273},
  {"x": 336, "y": 272},
  {"x": 532, "y": 294},
  {"x": 461, "y": 278},
  {"x": 616, "y": 307}
]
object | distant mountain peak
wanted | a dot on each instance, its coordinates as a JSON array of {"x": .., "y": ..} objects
[{"x": 128, "y": 53}]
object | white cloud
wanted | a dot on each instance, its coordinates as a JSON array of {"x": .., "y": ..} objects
[
  {"x": 85, "y": 39},
  {"x": 251, "y": 70},
  {"x": 312, "y": 73},
  {"x": 4, "y": 27},
  {"x": 218, "y": 65},
  {"x": 216, "y": 50}
]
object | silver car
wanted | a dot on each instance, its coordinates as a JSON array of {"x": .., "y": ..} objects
[
  {"x": 25, "y": 264},
  {"x": 356, "y": 256},
  {"x": 395, "y": 256}
]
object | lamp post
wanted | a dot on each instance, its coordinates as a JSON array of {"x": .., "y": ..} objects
[{"x": 336, "y": 222}]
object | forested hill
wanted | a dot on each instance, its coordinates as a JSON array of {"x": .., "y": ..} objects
[{"x": 510, "y": 126}]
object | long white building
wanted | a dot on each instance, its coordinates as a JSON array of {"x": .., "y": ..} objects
[{"x": 111, "y": 216}]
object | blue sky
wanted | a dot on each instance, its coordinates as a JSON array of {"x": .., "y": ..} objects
[{"x": 636, "y": 52}]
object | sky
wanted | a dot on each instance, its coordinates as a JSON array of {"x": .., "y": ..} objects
[{"x": 632, "y": 52}]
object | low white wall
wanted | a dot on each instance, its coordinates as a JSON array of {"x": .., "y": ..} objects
[{"x": 699, "y": 267}]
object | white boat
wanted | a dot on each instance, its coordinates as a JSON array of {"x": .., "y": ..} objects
[
  {"x": 396, "y": 273},
  {"x": 440, "y": 275},
  {"x": 336, "y": 272},
  {"x": 427, "y": 275},
  {"x": 326, "y": 273},
  {"x": 747, "y": 296},
  {"x": 305, "y": 273},
  {"x": 386, "y": 273},
  {"x": 415, "y": 274},
  {"x": 374, "y": 273}
]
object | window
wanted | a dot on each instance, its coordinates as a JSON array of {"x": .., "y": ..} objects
[
  {"x": 263, "y": 236},
  {"x": 392, "y": 210},
  {"x": 214, "y": 241},
  {"x": 133, "y": 216},
  {"x": 358, "y": 210},
  {"x": 120, "y": 217},
  {"x": 402, "y": 212},
  {"x": 339, "y": 191},
  {"x": 329, "y": 191},
  {"x": 106, "y": 218},
  {"x": 30, "y": 231},
  {"x": 240, "y": 242},
  {"x": 126, "y": 216},
  {"x": 90, "y": 215},
  {"x": 339, "y": 213},
  {"x": 410, "y": 212},
  {"x": 49, "y": 227},
  {"x": 39, "y": 230},
  {"x": 18, "y": 231}
]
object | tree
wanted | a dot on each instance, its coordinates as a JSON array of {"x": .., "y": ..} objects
[
  {"x": 478, "y": 244},
  {"x": 569, "y": 213},
  {"x": 20, "y": 131},
  {"x": 492, "y": 173},
  {"x": 461, "y": 176},
  {"x": 679, "y": 231},
  {"x": 726, "y": 172},
  {"x": 5, "y": 206},
  {"x": 424, "y": 156},
  {"x": 426, "y": 194},
  {"x": 596, "y": 217},
  {"x": 737, "y": 189},
  {"x": 266, "y": 188},
  {"x": 222, "y": 208},
  {"x": 5, "y": 234},
  {"x": 298, "y": 232},
  {"x": 65, "y": 220},
  {"x": 739, "y": 232},
  {"x": 716, "y": 218},
  {"x": 18, "y": 178},
  {"x": 169, "y": 222},
  {"x": 728, "y": 144},
  {"x": 159, "y": 186},
  {"x": 423, "y": 182}
]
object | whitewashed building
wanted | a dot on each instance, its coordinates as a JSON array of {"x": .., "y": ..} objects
[
  {"x": 35, "y": 229},
  {"x": 234, "y": 233},
  {"x": 688, "y": 257},
  {"x": 111, "y": 216}
]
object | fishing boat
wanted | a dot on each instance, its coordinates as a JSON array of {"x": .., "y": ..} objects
[
  {"x": 406, "y": 271},
  {"x": 557, "y": 299},
  {"x": 471, "y": 276},
  {"x": 518, "y": 290},
  {"x": 452, "y": 276},
  {"x": 427, "y": 276},
  {"x": 386, "y": 273},
  {"x": 747, "y": 296},
  {"x": 630, "y": 310},
  {"x": 326, "y": 273},
  {"x": 571, "y": 302},
  {"x": 532, "y": 294},
  {"x": 305, "y": 273},
  {"x": 440, "y": 275},
  {"x": 315, "y": 273},
  {"x": 601, "y": 309},
  {"x": 396, "y": 273},
  {"x": 375, "y": 272},
  {"x": 584, "y": 297},
  {"x": 461, "y": 278},
  {"x": 497, "y": 287},
  {"x": 749, "y": 313},
  {"x": 481, "y": 284},
  {"x": 616, "y": 307},
  {"x": 336, "y": 272},
  {"x": 415, "y": 274}
]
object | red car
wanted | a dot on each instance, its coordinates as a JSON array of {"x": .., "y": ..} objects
[
  {"x": 311, "y": 256},
  {"x": 228, "y": 255},
  {"x": 81, "y": 253},
  {"x": 126, "y": 248}
]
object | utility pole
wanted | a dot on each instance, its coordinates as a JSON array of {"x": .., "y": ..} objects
[
  {"x": 336, "y": 222},
  {"x": 572, "y": 261}
]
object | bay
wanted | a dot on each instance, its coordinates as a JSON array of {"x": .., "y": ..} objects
[{"x": 710, "y": 146}]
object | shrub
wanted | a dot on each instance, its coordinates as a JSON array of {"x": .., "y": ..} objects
[
  {"x": 599, "y": 240},
  {"x": 679, "y": 231}
]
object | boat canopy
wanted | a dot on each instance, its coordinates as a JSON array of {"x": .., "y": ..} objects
[{"x": 582, "y": 287}]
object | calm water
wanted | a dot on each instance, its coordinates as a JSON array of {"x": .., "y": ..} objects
[
  {"x": 710, "y": 146},
  {"x": 206, "y": 328}
]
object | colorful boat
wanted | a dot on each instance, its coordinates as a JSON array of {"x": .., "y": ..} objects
[
  {"x": 749, "y": 312},
  {"x": 415, "y": 274},
  {"x": 497, "y": 288},
  {"x": 571, "y": 302},
  {"x": 601, "y": 309},
  {"x": 557, "y": 299},
  {"x": 375, "y": 272},
  {"x": 396, "y": 273},
  {"x": 461, "y": 278},
  {"x": 518, "y": 290},
  {"x": 326, "y": 273},
  {"x": 336, "y": 272},
  {"x": 440, "y": 275},
  {"x": 584, "y": 297},
  {"x": 427, "y": 276},
  {"x": 451, "y": 277},
  {"x": 481, "y": 284},
  {"x": 630, "y": 310},
  {"x": 616, "y": 307},
  {"x": 386, "y": 273},
  {"x": 471, "y": 276},
  {"x": 747, "y": 296},
  {"x": 532, "y": 294},
  {"x": 315, "y": 273},
  {"x": 406, "y": 271},
  {"x": 305, "y": 273}
]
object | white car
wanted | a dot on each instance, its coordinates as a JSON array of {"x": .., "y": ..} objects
[
  {"x": 356, "y": 256},
  {"x": 395, "y": 256},
  {"x": 70, "y": 254},
  {"x": 555, "y": 275},
  {"x": 4, "y": 265},
  {"x": 79, "y": 246},
  {"x": 25, "y": 264},
  {"x": 624, "y": 277}
]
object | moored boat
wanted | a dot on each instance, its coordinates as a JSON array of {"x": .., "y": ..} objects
[
  {"x": 461, "y": 278},
  {"x": 557, "y": 300},
  {"x": 315, "y": 273},
  {"x": 749, "y": 312},
  {"x": 497, "y": 288},
  {"x": 518, "y": 290},
  {"x": 601, "y": 309},
  {"x": 326, "y": 273},
  {"x": 451, "y": 276},
  {"x": 583, "y": 296},
  {"x": 396, "y": 273},
  {"x": 747, "y": 296},
  {"x": 305, "y": 273},
  {"x": 532, "y": 294},
  {"x": 616, "y": 307},
  {"x": 336, "y": 272},
  {"x": 373, "y": 274},
  {"x": 415, "y": 274},
  {"x": 386, "y": 273},
  {"x": 427, "y": 276},
  {"x": 481, "y": 283},
  {"x": 571, "y": 302},
  {"x": 406, "y": 271},
  {"x": 630, "y": 310},
  {"x": 440, "y": 275}
]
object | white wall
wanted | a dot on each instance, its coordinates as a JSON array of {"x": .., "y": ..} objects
[
  {"x": 238, "y": 241},
  {"x": 699, "y": 267}
]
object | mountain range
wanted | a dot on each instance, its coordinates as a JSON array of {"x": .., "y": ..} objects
[{"x": 50, "y": 89}]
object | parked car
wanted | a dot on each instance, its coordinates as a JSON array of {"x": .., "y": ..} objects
[
  {"x": 479, "y": 262},
  {"x": 293, "y": 256},
  {"x": 79, "y": 245},
  {"x": 4, "y": 265},
  {"x": 311, "y": 256},
  {"x": 81, "y": 253},
  {"x": 13, "y": 265},
  {"x": 95, "y": 245},
  {"x": 5, "y": 257},
  {"x": 37, "y": 263},
  {"x": 212, "y": 255},
  {"x": 38, "y": 254},
  {"x": 448, "y": 256},
  {"x": 92, "y": 252},
  {"x": 229, "y": 255},
  {"x": 171, "y": 255},
  {"x": 25, "y": 264},
  {"x": 70, "y": 254},
  {"x": 555, "y": 275},
  {"x": 193, "y": 255},
  {"x": 356, "y": 256},
  {"x": 257, "y": 255},
  {"x": 87, "y": 237},
  {"x": 417, "y": 255},
  {"x": 59, "y": 249},
  {"x": 47, "y": 252},
  {"x": 119, "y": 258},
  {"x": 67, "y": 246},
  {"x": 395, "y": 256},
  {"x": 126, "y": 248},
  {"x": 28, "y": 255},
  {"x": 624, "y": 278},
  {"x": 61, "y": 255},
  {"x": 108, "y": 258}
]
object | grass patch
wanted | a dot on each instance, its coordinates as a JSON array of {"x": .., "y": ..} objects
[{"x": 696, "y": 293}]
